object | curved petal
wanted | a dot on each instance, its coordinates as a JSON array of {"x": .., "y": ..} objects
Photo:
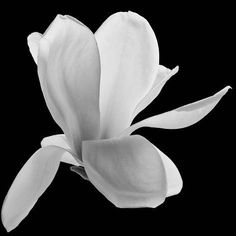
[
  {"x": 129, "y": 58},
  {"x": 163, "y": 75},
  {"x": 128, "y": 171},
  {"x": 69, "y": 73},
  {"x": 60, "y": 140},
  {"x": 30, "y": 183},
  {"x": 80, "y": 171},
  {"x": 181, "y": 117},
  {"x": 174, "y": 180},
  {"x": 33, "y": 43}
]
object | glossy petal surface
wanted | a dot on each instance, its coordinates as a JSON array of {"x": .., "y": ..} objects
[
  {"x": 30, "y": 183},
  {"x": 181, "y": 117},
  {"x": 129, "y": 59},
  {"x": 128, "y": 171}
]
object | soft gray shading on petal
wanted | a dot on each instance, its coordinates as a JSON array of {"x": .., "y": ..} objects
[
  {"x": 163, "y": 75},
  {"x": 129, "y": 58},
  {"x": 181, "y": 117},
  {"x": 128, "y": 171},
  {"x": 30, "y": 183},
  {"x": 69, "y": 73},
  {"x": 60, "y": 140},
  {"x": 174, "y": 180}
]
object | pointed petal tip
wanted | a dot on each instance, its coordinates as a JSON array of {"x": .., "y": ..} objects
[
  {"x": 8, "y": 225},
  {"x": 176, "y": 69},
  {"x": 227, "y": 88},
  {"x": 181, "y": 117},
  {"x": 223, "y": 91},
  {"x": 8, "y": 228},
  {"x": 29, "y": 184}
]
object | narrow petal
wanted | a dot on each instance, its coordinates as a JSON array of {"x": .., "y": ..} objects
[
  {"x": 30, "y": 183},
  {"x": 163, "y": 75},
  {"x": 128, "y": 171},
  {"x": 61, "y": 141},
  {"x": 174, "y": 180},
  {"x": 129, "y": 58},
  {"x": 33, "y": 43},
  {"x": 69, "y": 73},
  {"x": 181, "y": 117}
]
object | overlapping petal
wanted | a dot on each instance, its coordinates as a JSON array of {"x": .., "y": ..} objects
[
  {"x": 129, "y": 171},
  {"x": 163, "y": 75},
  {"x": 129, "y": 59},
  {"x": 60, "y": 140},
  {"x": 69, "y": 72},
  {"x": 181, "y": 117},
  {"x": 174, "y": 180},
  {"x": 30, "y": 183}
]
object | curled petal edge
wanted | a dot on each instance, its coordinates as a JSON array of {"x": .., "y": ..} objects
[
  {"x": 61, "y": 141},
  {"x": 181, "y": 117},
  {"x": 163, "y": 76}
]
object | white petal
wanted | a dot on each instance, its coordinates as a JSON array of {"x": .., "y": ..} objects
[
  {"x": 128, "y": 171},
  {"x": 181, "y": 117},
  {"x": 33, "y": 43},
  {"x": 162, "y": 72},
  {"x": 60, "y": 140},
  {"x": 129, "y": 58},
  {"x": 163, "y": 75},
  {"x": 30, "y": 183},
  {"x": 174, "y": 180},
  {"x": 69, "y": 72}
]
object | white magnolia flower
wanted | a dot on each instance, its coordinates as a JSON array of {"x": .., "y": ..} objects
[{"x": 94, "y": 85}]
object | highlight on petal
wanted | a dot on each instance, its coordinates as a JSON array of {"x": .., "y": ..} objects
[
  {"x": 174, "y": 180},
  {"x": 128, "y": 171},
  {"x": 30, "y": 183},
  {"x": 33, "y": 43},
  {"x": 181, "y": 117},
  {"x": 163, "y": 75},
  {"x": 61, "y": 141},
  {"x": 129, "y": 57},
  {"x": 69, "y": 73}
]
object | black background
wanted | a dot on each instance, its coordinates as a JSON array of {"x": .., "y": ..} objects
[{"x": 198, "y": 38}]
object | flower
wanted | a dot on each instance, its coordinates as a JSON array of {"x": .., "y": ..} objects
[{"x": 94, "y": 85}]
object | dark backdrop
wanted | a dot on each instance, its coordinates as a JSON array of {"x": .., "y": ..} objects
[{"x": 198, "y": 38}]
